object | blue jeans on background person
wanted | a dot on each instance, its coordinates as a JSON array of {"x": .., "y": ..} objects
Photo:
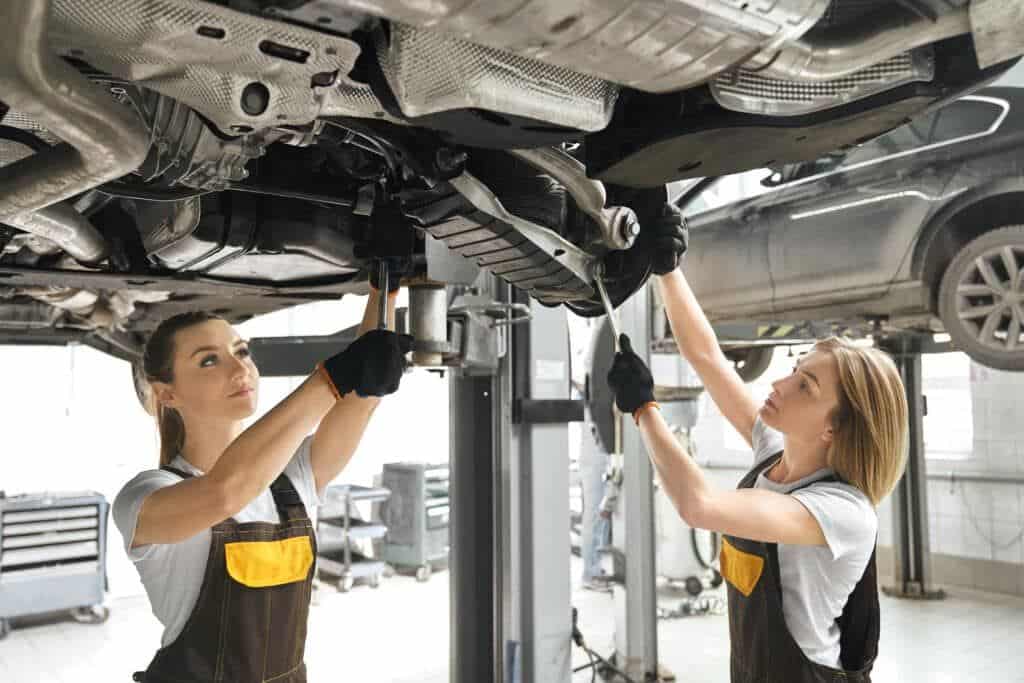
[{"x": 596, "y": 530}]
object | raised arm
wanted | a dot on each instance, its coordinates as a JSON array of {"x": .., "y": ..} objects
[
  {"x": 699, "y": 346},
  {"x": 340, "y": 432},
  {"x": 248, "y": 466}
]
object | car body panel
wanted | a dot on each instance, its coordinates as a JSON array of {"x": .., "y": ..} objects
[{"x": 846, "y": 236}]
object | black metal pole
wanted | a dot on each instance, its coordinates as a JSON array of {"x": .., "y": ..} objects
[{"x": 472, "y": 526}]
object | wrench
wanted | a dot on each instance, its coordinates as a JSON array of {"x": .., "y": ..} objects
[
  {"x": 382, "y": 301},
  {"x": 607, "y": 302}
]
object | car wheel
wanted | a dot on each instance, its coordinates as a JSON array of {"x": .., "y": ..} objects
[
  {"x": 751, "y": 363},
  {"x": 981, "y": 299}
]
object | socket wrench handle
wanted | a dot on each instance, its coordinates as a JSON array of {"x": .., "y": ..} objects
[
  {"x": 382, "y": 302},
  {"x": 603, "y": 293}
]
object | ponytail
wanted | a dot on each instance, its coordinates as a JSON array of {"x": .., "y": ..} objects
[
  {"x": 158, "y": 366},
  {"x": 172, "y": 433}
]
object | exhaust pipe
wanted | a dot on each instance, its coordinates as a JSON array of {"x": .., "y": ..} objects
[
  {"x": 63, "y": 225},
  {"x": 842, "y": 53},
  {"x": 103, "y": 140},
  {"x": 428, "y": 323}
]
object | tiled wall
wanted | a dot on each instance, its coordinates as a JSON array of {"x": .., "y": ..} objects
[{"x": 981, "y": 522}]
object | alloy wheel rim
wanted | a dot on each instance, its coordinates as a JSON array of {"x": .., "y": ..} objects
[{"x": 990, "y": 299}]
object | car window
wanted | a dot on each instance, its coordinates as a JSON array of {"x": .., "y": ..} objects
[
  {"x": 901, "y": 139},
  {"x": 728, "y": 190},
  {"x": 957, "y": 120},
  {"x": 963, "y": 118}
]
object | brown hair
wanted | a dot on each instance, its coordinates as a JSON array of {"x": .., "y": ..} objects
[
  {"x": 869, "y": 442},
  {"x": 158, "y": 366}
]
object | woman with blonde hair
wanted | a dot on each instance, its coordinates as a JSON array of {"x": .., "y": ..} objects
[{"x": 799, "y": 532}]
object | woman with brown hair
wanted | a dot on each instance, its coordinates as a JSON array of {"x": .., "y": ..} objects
[
  {"x": 799, "y": 532},
  {"x": 221, "y": 534}
]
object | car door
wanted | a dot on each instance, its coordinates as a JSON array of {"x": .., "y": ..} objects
[
  {"x": 727, "y": 262},
  {"x": 842, "y": 233}
]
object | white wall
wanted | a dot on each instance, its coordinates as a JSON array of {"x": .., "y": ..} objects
[{"x": 982, "y": 520}]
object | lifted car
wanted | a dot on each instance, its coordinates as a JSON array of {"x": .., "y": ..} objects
[
  {"x": 243, "y": 156},
  {"x": 918, "y": 231}
]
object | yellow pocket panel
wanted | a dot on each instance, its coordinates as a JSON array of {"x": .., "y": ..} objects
[
  {"x": 259, "y": 564},
  {"x": 740, "y": 568}
]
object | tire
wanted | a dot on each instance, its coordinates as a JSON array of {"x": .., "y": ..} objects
[
  {"x": 750, "y": 363},
  {"x": 981, "y": 299},
  {"x": 693, "y": 586}
]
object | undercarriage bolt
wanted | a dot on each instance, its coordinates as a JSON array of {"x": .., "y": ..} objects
[{"x": 630, "y": 229}]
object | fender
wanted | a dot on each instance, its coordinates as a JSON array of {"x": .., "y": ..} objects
[{"x": 945, "y": 216}]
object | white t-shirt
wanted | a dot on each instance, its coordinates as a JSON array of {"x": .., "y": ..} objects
[
  {"x": 817, "y": 580},
  {"x": 172, "y": 574}
]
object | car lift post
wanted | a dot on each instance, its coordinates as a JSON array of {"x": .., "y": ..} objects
[
  {"x": 509, "y": 524},
  {"x": 912, "y": 575},
  {"x": 636, "y": 626}
]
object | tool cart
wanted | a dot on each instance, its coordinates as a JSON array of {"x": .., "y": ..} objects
[
  {"x": 53, "y": 549},
  {"x": 416, "y": 516},
  {"x": 339, "y": 529}
]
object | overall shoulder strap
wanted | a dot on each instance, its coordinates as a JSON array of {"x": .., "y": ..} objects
[
  {"x": 828, "y": 478},
  {"x": 750, "y": 479},
  {"x": 289, "y": 503},
  {"x": 175, "y": 470}
]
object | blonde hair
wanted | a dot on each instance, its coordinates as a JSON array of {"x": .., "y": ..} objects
[{"x": 869, "y": 442}]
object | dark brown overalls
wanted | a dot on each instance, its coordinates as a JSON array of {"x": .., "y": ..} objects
[
  {"x": 763, "y": 650},
  {"x": 249, "y": 623}
]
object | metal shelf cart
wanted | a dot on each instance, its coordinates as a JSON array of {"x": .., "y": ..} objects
[
  {"x": 417, "y": 516},
  {"x": 338, "y": 528}
]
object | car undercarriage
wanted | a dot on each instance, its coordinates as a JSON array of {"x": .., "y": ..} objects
[{"x": 243, "y": 156}]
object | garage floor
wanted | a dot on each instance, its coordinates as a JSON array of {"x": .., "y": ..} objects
[{"x": 399, "y": 633}]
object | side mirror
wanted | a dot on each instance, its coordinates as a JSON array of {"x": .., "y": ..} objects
[{"x": 773, "y": 179}]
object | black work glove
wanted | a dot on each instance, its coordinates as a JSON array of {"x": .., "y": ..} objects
[
  {"x": 668, "y": 240},
  {"x": 397, "y": 267},
  {"x": 372, "y": 365},
  {"x": 630, "y": 380}
]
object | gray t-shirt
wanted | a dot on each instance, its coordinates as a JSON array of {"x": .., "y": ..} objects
[
  {"x": 817, "y": 580},
  {"x": 172, "y": 574}
]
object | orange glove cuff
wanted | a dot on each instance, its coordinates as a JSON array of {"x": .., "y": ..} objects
[
  {"x": 327, "y": 377},
  {"x": 641, "y": 409}
]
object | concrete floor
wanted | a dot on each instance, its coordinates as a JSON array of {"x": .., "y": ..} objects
[{"x": 399, "y": 634}]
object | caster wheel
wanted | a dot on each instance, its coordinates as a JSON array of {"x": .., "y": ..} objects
[
  {"x": 423, "y": 573},
  {"x": 5, "y": 628},
  {"x": 693, "y": 586},
  {"x": 716, "y": 578},
  {"x": 374, "y": 581},
  {"x": 345, "y": 584},
  {"x": 389, "y": 571},
  {"x": 92, "y": 614}
]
